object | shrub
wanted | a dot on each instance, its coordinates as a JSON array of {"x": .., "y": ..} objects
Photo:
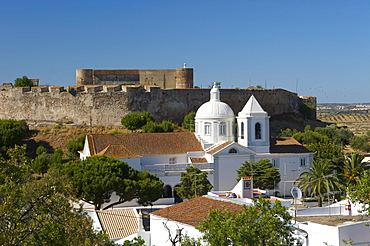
[{"x": 166, "y": 126}]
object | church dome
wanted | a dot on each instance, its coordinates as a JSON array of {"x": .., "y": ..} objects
[{"x": 214, "y": 108}]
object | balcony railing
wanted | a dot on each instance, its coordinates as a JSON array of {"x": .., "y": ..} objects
[{"x": 176, "y": 167}]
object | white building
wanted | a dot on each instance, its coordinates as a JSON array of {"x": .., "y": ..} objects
[{"x": 211, "y": 148}]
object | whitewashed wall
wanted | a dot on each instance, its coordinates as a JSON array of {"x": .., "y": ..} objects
[{"x": 159, "y": 235}]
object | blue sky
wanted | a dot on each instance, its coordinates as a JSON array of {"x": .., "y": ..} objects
[{"x": 324, "y": 45}]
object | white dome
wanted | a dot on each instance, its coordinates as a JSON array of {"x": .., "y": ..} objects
[{"x": 214, "y": 108}]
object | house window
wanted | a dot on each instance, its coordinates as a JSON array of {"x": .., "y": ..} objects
[
  {"x": 222, "y": 129},
  {"x": 303, "y": 162},
  {"x": 258, "y": 130},
  {"x": 172, "y": 160},
  {"x": 207, "y": 129},
  {"x": 275, "y": 163},
  {"x": 247, "y": 184},
  {"x": 242, "y": 130},
  {"x": 233, "y": 150}
]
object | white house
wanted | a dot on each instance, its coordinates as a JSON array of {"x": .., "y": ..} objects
[{"x": 213, "y": 147}]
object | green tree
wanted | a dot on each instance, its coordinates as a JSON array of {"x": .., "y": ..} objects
[
  {"x": 339, "y": 135},
  {"x": 359, "y": 193},
  {"x": 189, "y": 121},
  {"x": 354, "y": 168},
  {"x": 257, "y": 225},
  {"x": 56, "y": 157},
  {"x": 134, "y": 120},
  {"x": 11, "y": 133},
  {"x": 320, "y": 179},
  {"x": 22, "y": 82},
  {"x": 97, "y": 177},
  {"x": 152, "y": 127},
  {"x": 39, "y": 212},
  {"x": 265, "y": 176},
  {"x": 361, "y": 143},
  {"x": 137, "y": 241},
  {"x": 309, "y": 136},
  {"x": 167, "y": 126},
  {"x": 41, "y": 164},
  {"x": 41, "y": 150},
  {"x": 193, "y": 183},
  {"x": 73, "y": 146}
]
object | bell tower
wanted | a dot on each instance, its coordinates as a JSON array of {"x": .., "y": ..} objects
[{"x": 254, "y": 127}]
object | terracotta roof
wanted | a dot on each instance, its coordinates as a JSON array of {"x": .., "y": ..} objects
[
  {"x": 215, "y": 148},
  {"x": 118, "y": 223},
  {"x": 198, "y": 160},
  {"x": 193, "y": 211},
  {"x": 286, "y": 145},
  {"x": 147, "y": 143},
  {"x": 117, "y": 151}
]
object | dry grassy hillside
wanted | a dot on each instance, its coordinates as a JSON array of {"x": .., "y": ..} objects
[{"x": 358, "y": 123}]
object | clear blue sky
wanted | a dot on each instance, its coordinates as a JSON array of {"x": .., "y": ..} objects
[{"x": 325, "y": 45}]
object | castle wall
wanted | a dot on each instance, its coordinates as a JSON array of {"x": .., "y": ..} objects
[
  {"x": 105, "y": 105},
  {"x": 164, "y": 78}
]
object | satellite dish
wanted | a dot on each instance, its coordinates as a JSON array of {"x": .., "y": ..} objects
[{"x": 296, "y": 193}]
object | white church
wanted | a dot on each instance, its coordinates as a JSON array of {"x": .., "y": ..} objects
[{"x": 213, "y": 147}]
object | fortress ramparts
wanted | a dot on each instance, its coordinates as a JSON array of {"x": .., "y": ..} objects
[{"x": 106, "y": 104}]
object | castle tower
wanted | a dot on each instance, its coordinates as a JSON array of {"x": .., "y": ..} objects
[
  {"x": 84, "y": 77},
  {"x": 254, "y": 127},
  {"x": 184, "y": 77},
  {"x": 214, "y": 120}
]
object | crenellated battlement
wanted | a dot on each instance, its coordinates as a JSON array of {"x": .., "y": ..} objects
[
  {"x": 86, "y": 89},
  {"x": 106, "y": 104}
]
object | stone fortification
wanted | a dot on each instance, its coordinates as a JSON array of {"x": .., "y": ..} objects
[
  {"x": 105, "y": 105},
  {"x": 164, "y": 78}
]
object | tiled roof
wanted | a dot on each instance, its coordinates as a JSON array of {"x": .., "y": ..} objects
[
  {"x": 118, "y": 223},
  {"x": 117, "y": 151},
  {"x": 198, "y": 160},
  {"x": 286, "y": 145},
  {"x": 215, "y": 148},
  {"x": 147, "y": 143},
  {"x": 193, "y": 211}
]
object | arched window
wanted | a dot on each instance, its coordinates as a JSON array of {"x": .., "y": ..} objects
[
  {"x": 233, "y": 150},
  {"x": 242, "y": 130},
  {"x": 167, "y": 191},
  {"x": 257, "y": 130},
  {"x": 222, "y": 128},
  {"x": 207, "y": 129}
]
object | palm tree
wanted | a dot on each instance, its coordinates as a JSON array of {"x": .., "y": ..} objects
[
  {"x": 320, "y": 179},
  {"x": 354, "y": 168}
]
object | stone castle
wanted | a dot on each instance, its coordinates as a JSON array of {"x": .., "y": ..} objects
[
  {"x": 164, "y": 78},
  {"x": 96, "y": 100}
]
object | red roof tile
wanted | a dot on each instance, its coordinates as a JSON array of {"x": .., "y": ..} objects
[
  {"x": 147, "y": 143},
  {"x": 117, "y": 151},
  {"x": 193, "y": 211},
  {"x": 198, "y": 160},
  {"x": 286, "y": 145}
]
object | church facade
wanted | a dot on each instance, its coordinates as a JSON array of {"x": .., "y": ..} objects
[{"x": 213, "y": 147}]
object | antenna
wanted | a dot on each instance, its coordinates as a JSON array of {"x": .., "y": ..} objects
[
  {"x": 296, "y": 87},
  {"x": 265, "y": 83}
]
